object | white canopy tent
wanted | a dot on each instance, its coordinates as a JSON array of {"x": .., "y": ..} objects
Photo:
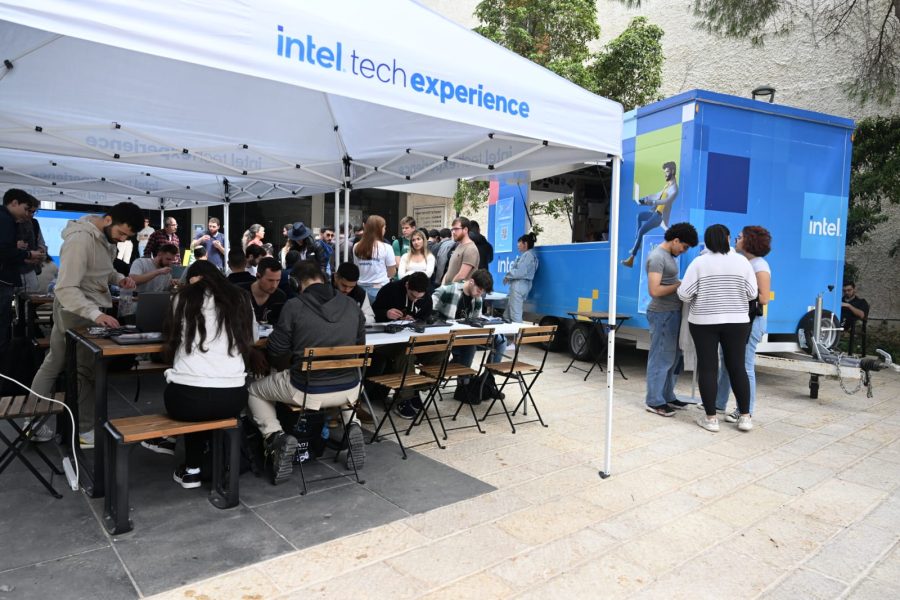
[{"x": 321, "y": 96}]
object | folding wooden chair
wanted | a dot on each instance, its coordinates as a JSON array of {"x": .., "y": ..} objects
[
  {"x": 329, "y": 359},
  {"x": 455, "y": 371},
  {"x": 38, "y": 411},
  {"x": 520, "y": 371},
  {"x": 437, "y": 345}
]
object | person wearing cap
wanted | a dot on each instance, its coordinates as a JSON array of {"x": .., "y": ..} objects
[{"x": 302, "y": 241}]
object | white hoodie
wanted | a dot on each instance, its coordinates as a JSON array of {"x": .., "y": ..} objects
[{"x": 85, "y": 269}]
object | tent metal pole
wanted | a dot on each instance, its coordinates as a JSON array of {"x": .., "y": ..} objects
[
  {"x": 613, "y": 289},
  {"x": 346, "y": 224},
  {"x": 226, "y": 222},
  {"x": 337, "y": 228}
]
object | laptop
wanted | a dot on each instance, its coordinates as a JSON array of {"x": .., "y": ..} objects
[
  {"x": 375, "y": 327},
  {"x": 152, "y": 308},
  {"x": 178, "y": 271}
]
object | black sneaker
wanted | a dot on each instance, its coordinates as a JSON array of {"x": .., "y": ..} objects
[
  {"x": 160, "y": 446},
  {"x": 186, "y": 479},
  {"x": 663, "y": 410},
  {"x": 679, "y": 404},
  {"x": 280, "y": 449},
  {"x": 357, "y": 447},
  {"x": 406, "y": 410}
]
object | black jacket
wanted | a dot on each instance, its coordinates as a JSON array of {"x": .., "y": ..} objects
[
  {"x": 11, "y": 257},
  {"x": 485, "y": 249},
  {"x": 319, "y": 317},
  {"x": 393, "y": 295}
]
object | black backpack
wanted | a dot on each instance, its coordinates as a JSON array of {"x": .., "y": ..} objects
[{"x": 479, "y": 389}]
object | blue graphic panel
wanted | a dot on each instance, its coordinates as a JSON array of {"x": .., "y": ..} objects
[
  {"x": 727, "y": 181},
  {"x": 822, "y": 227},
  {"x": 503, "y": 225}
]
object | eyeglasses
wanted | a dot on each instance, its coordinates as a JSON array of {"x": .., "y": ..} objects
[{"x": 456, "y": 229}]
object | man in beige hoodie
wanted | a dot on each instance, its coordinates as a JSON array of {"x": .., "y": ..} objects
[{"x": 82, "y": 292}]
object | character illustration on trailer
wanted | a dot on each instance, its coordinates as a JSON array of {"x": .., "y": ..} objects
[{"x": 660, "y": 210}]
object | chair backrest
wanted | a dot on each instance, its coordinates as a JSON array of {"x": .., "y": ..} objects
[
  {"x": 425, "y": 344},
  {"x": 480, "y": 337},
  {"x": 536, "y": 335},
  {"x": 336, "y": 357}
]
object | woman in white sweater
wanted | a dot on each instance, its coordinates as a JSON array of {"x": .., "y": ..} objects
[
  {"x": 418, "y": 259},
  {"x": 719, "y": 285},
  {"x": 210, "y": 332}
]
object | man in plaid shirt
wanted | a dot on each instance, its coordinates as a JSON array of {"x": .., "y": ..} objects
[
  {"x": 164, "y": 236},
  {"x": 462, "y": 300}
]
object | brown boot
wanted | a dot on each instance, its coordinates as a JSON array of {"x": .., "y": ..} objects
[
  {"x": 628, "y": 262},
  {"x": 364, "y": 415}
]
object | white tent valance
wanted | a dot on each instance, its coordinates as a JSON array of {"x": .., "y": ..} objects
[{"x": 315, "y": 94}]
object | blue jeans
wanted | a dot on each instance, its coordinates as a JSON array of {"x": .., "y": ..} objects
[
  {"x": 663, "y": 358},
  {"x": 757, "y": 330},
  {"x": 372, "y": 292},
  {"x": 466, "y": 354},
  {"x": 646, "y": 221}
]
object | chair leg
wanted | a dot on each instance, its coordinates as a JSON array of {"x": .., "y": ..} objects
[
  {"x": 387, "y": 417},
  {"x": 345, "y": 443},
  {"x": 34, "y": 425},
  {"x": 16, "y": 452},
  {"x": 429, "y": 400},
  {"x": 224, "y": 491},
  {"x": 116, "y": 516}
]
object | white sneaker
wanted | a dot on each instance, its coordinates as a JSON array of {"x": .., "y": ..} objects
[
  {"x": 745, "y": 423},
  {"x": 708, "y": 425},
  {"x": 86, "y": 438},
  {"x": 44, "y": 433}
]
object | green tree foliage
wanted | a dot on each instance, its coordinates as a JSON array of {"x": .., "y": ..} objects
[
  {"x": 868, "y": 29},
  {"x": 555, "y": 34},
  {"x": 874, "y": 176},
  {"x": 470, "y": 195}
]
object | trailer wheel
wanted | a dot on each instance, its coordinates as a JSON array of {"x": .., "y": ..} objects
[
  {"x": 830, "y": 330},
  {"x": 560, "y": 340},
  {"x": 580, "y": 341}
]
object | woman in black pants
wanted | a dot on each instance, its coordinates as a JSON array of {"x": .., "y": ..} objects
[
  {"x": 719, "y": 285},
  {"x": 209, "y": 332}
]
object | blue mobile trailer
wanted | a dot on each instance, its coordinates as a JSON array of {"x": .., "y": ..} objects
[{"x": 738, "y": 162}]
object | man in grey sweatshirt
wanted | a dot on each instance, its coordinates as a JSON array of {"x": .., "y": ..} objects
[
  {"x": 82, "y": 292},
  {"x": 317, "y": 317}
]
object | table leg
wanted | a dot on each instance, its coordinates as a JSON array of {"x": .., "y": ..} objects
[{"x": 100, "y": 417}]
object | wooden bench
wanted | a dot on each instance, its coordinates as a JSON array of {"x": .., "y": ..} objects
[
  {"x": 23, "y": 407},
  {"x": 124, "y": 433}
]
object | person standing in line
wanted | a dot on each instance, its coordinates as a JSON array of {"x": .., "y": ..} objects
[
  {"x": 664, "y": 317},
  {"x": 143, "y": 236},
  {"x": 253, "y": 236},
  {"x": 465, "y": 257},
  {"x": 442, "y": 256},
  {"x": 325, "y": 244},
  {"x": 82, "y": 292},
  {"x": 434, "y": 239},
  {"x": 374, "y": 257},
  {"x": 521, "y": 274},
  {"x": 166, "y": 235},
  {"x": 282, "y": 254},
  {"x": 485, "y": 249},
  {"x": 719, "y": 284},
  {"x": 213, "y": 242},
  {"x": 418, "y": 259},
  {"x": 209, "y": 333},
  {"x": 30, "y": 233},
  {"x": 402, "y": 245},
  {"x": 237, "y": 263},
  {"x": 754, "y": 242}
]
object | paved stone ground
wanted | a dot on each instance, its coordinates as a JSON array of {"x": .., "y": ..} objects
[{"x": 805, "y": 506}]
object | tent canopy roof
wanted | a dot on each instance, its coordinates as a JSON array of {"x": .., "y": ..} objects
[{"x": 316, "y": 95}]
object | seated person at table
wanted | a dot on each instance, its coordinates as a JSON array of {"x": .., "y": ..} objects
[
  {"x": 317, "y": 317},
  {"x": 344, "y": 280},
  {"x": 237, "y": 264},
  {"x": 155, "y": 274},
  {"x": 405, "y": 298},
  {"x": 266, "y": 298},
  {"x": 255, "y": 254},
  {"x": 210, "y": 331},
  {"x": 462, "y": 300},
  {"x": 82, "y": 293}
]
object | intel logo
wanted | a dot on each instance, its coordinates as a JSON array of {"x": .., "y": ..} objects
[{"x": 824, "y": 227}]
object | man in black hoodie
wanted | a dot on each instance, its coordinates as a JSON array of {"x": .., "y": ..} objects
[
  {"x": 318, "y": 317},
  {"x": 485, "y": 249},
  {"x": 407, "y": 298}
]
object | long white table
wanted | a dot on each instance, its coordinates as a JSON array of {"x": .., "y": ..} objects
[{"x": 401, "y": 337}]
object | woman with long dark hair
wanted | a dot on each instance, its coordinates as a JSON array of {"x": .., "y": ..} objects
[
  {"x": 209, "y": 332},
  {"x": 374, "y": 257},
  {"x": 719, "y": 284}
]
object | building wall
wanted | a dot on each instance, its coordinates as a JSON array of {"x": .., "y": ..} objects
[{"x": 807, "y": 72}]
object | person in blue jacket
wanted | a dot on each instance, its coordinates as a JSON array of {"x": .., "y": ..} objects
[{"x": 519, "y": 278}]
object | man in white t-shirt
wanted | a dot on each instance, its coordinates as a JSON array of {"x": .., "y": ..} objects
[
  {"x": 143, "y": 236},
  {"x": 155, "y": 274}
]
